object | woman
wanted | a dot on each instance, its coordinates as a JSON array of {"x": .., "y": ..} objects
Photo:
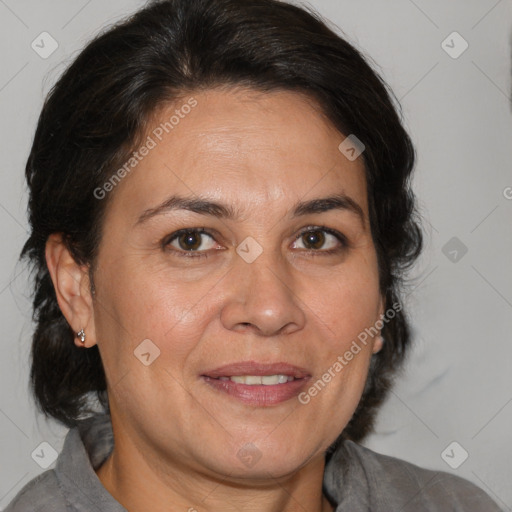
[{"x": 221, "y": 221}]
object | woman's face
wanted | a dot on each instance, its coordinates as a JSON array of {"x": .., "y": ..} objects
[{"x": 251, "y": 289}]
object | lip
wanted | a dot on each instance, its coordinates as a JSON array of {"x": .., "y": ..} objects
[
  {"x": 259, "y": 394},
  {"x": 259, "y": 369}
]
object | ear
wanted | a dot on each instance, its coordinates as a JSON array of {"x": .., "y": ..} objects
[
  {"x": 378, "y": 341},
  {"x": 72, "y": 288}
]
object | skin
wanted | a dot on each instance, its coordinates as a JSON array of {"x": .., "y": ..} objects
[{"x": 177, "y": 438}]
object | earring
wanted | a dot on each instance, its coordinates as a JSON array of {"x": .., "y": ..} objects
[{"x": 81, "y": 335}]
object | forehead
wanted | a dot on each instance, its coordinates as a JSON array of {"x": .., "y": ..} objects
[{"x": 253, "y": 150}]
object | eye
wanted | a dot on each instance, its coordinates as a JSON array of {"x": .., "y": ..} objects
[
  {"x": 188, "y": 242},
  {"x": 197, "y": 242},
  {"x": 316, "y": 237}
]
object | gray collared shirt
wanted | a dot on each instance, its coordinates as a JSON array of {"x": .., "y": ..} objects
[{"x": 356, "y": 479}]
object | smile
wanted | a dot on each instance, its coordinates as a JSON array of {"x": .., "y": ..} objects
[{"x": 266, "y": 380}]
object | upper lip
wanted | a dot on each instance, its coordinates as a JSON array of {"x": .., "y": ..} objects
[{"x": 255, "y": 368}]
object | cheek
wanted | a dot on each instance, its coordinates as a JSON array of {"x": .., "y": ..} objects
[
  {"x": 137, "y": 303},
  {"x": 346, "y": 303}
]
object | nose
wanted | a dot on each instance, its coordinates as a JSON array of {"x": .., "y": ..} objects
[{"x": 262, "y": 297}]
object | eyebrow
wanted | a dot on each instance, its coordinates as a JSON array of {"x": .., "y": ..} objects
[{"x": 225, "y": 211}]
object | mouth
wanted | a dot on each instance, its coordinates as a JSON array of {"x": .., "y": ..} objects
[
  {"x": 258, "y": 384},
  {"x": 254, "y": 380}
]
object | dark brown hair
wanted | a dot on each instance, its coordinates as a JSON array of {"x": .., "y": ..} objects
[{"x": 99, "y": 108}]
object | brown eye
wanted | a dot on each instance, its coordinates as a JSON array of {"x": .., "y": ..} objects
[
  {"x": 314, "y": 239},
  {"x": 190, "y": 241},
  {"x": 187, "y": 242},
  {"x": 322, "y": 240}
]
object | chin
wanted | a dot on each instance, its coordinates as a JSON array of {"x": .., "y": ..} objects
[
  {"x": 262, "y": 470},
  {"x": 260, "y": 459}
]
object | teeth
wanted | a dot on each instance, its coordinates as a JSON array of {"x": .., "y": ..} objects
[{"x": 266, "y": 380}]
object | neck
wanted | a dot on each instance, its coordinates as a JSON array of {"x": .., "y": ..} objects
[{"x": 139, "y": 485}]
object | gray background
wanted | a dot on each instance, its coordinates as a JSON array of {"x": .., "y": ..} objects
[{"x": 458, "y": 381}]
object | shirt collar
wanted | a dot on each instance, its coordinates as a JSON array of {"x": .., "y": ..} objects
[{"x": 85, "y": 448}]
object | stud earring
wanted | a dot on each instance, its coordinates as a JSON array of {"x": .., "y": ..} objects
[{"x": 81, "y": 335}]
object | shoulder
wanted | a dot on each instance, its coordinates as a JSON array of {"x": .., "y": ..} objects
[
  {"x": 402, "y": 485},
  {"x": 41, "y": 494}
]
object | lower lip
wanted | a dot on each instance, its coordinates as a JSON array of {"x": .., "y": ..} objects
[{"x": 258, "y": 394}]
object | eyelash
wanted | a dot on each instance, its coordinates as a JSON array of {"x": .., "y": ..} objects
[{"x": 311, "y": 229}]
